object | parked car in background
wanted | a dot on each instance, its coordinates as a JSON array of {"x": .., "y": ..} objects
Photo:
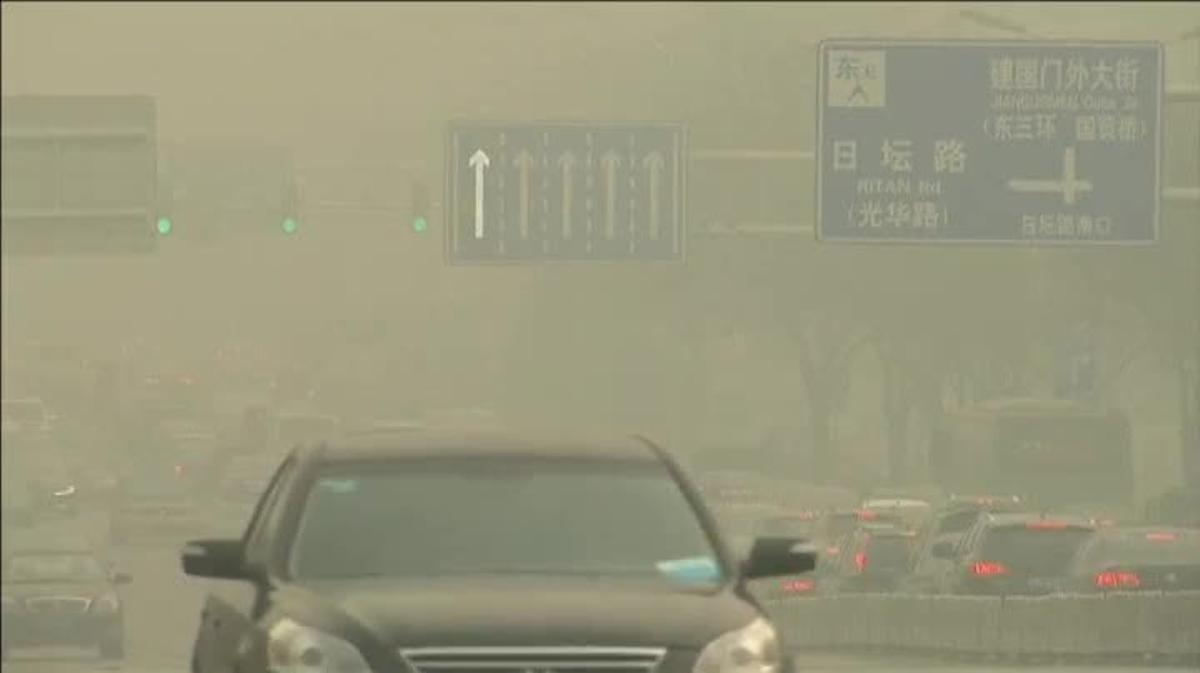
[
  {"x": 827, "y": 535},
  {"x": 1013, "y": 554},
  {"x": 1139, "y": 558},
  {"x": 61, "y": 595},
  {"x": 875, "y": 558},
  {"x": 946, "y": 525}
]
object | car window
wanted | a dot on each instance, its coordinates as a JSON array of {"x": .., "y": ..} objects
[
  {"x": 1035, "y": 551},
  {"x": 441, "y": 517},
  {"x": 957, "y": 522},
  {"x": 888, "y": 553}
]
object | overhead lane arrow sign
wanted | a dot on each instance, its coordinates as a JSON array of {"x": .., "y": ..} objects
[
  {"x": 479, "y": 161},
  {"x": 571, "y": 191}
]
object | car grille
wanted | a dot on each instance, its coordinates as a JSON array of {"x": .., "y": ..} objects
[
  {"x": 57, "y": 605},
  {"x": 533, "y": 659}
]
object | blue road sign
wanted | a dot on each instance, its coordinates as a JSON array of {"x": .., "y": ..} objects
[
  {"x": 989, "y": 142},
  {"x": 533, "y": 192}
]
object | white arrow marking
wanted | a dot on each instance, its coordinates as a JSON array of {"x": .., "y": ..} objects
[
  {"x": 653, "y": 164},
  {"x": 1069, "y": 186},
  {"x": 567, "y": 161},
  {"x": 524, "y": 161},
  {"x": 610, "y": 161},
  {"x": 479, "y": 161}
]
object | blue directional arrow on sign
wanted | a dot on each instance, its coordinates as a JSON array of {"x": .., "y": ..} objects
[
  {"x": 564, "y": 192},
  {"x": 989, "y": 142}
]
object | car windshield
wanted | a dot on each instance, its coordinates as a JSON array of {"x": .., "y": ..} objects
[
  {"x": 888, "y": 553},
  {"x": 957, "y": 522},
  {"x": 1034, "y": 551},
  {"x": 52, "y": 568},
  {"x": 447, "y": 517}
]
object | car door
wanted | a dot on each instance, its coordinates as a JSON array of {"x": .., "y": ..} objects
[
  {"x": 227, "y": 621},
  {"x": 953, "y": 572}
]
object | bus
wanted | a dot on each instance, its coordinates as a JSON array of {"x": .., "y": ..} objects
[{"x": 1053, "y": 453}]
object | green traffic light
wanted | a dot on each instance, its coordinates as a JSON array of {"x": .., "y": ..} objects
[
  {"x": 419, "y": 224},
  {"x": 164, "y": 225},
  {"x": 289, "y": 226}
]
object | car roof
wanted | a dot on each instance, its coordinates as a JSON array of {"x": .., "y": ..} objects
[
  {"x": 894, "y": 503},
  {"x": 1138, "y": 534},
  {"x": 1001, "y": 519},
  {"x": 478, "y": 444}
]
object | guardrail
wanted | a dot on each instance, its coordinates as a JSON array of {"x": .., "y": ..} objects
[{"x": 1117, "y": 626}]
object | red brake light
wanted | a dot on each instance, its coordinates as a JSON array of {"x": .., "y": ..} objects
[
  {"x": 1118, "y": 579},
  {"x": 860, "y": 561},
  {"x": 1161, "y": 537},
  {"x": 867, "y": 515},
  {"x": 988, "y": 569},
  {"x": 1046, "y": 525},
  {"x": 799, "y": 586}
]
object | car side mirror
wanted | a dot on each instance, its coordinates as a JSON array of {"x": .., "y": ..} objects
[
  {"x": 944, "y": 550},
  {"x": 779, "y": 556},
  {"x": 217, "y": 559},
  {"x": 122, "y": 578}
]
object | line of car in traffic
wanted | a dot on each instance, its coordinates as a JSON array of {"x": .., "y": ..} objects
[{"x": 983, "y": 546}]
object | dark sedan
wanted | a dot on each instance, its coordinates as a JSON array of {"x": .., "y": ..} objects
[
  {"x": 434, "y": 552},
  {"x": 1138, "y": 559},
  {"x": 62, "y": 596}
]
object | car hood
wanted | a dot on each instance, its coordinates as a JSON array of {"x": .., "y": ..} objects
[{"x": 525, "y": 611}]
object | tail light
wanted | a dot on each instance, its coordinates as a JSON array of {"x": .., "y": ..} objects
[
  {"x": 988, "y": 569},
  {"x": 1161, "y": 537},
  {"x": 860, "y": 561},
  {"x": 1118, "y": 579},
  {"x": 799, "y": 586},
  {"x": 867, "y": 515}
]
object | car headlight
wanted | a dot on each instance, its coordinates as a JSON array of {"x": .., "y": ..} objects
[
  {"x": 106, "y": 604},
  {"x": 753, "y": 648},
  {"x": 295, "y": 648}
]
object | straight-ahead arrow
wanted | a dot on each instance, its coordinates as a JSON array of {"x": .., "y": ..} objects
[
  {"x": 653, "y": 163},
  {"x": 567, "y": 161},
  {"x": 609, "y": 161},
  {"x": 479, "y": 161}
]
